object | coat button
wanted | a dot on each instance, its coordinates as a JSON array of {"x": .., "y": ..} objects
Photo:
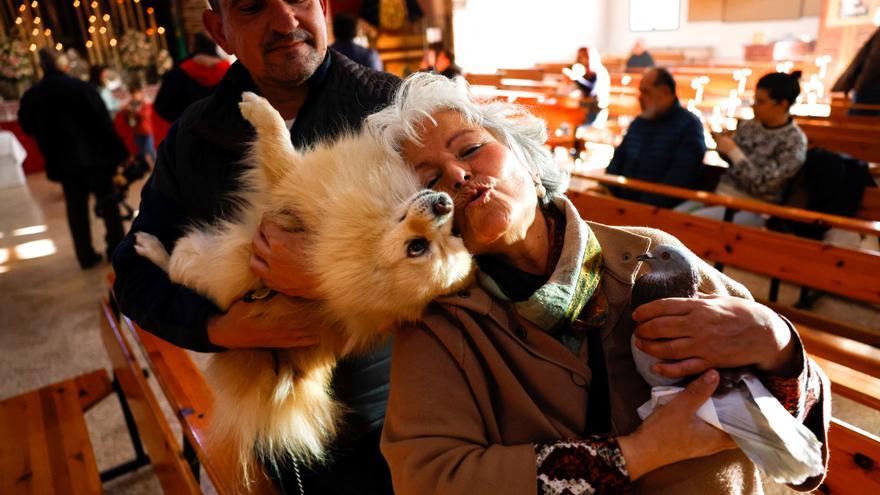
[
  {"x": 578, "y": 380},
  {"x": 464, "y": 293}
]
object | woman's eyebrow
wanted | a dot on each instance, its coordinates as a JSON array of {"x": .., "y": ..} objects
[{"x": 457, "y": 135}]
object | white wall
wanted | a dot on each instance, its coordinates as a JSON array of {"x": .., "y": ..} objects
[
  {"x": 519, "y": 33},
  {"x": 726, "y": 38}
]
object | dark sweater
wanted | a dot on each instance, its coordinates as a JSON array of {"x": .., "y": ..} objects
[
  {"x": 195, "y": 172},
  {"x": 668, "y": 150}
]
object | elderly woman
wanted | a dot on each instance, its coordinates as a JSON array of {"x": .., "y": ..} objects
[{"x": 528, "y": 380}]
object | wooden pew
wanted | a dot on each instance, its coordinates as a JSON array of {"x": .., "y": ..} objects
[
  {"x": 191, "y": 399},
  {"x": 859, "y": 225},
  {"x": 45, "y": 445},
  {"x": 166, "y": 457}
]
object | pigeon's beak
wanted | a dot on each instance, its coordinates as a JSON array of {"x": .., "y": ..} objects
[{"x": 645, "y": 257}]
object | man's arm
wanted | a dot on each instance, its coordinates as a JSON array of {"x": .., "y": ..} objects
[{"x": 142, "y": 289}]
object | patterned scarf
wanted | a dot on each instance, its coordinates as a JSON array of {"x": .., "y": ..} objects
[{"x": 572, "y": 292}]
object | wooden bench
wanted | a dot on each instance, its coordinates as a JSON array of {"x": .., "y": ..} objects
[
  {"x": 859, "y": 225},
  {"x": 45, "y": 445},
  {"x": 191, "y": 399}
]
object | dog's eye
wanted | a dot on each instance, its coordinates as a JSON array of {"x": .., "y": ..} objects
[{"x": 417, "y": 247}]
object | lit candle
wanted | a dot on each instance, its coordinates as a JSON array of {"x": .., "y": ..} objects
[
  {"x": 152, "y": 16},
  {"x": 82, "y": 28},
  {"x": 140, "y": 15},
  {"x": 161, "y": 32}
]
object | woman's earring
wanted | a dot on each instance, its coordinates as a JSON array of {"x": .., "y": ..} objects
[{"x": 540, "y": 189}]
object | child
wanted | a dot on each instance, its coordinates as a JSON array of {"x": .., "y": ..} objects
[
  {"x": 138, "y": 114},
  {"x": 764, "y": 154}
]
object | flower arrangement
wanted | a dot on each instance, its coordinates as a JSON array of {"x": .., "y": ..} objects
[
  {"x": 15, "y": 62},
  {"x": 134, "y": 50}
]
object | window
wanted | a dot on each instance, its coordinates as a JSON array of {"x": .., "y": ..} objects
[{"x": 654, "y": 15}]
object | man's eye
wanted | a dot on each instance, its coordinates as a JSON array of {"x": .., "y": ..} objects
[
  {"x": 250, "y": 7},
  {"x": 433, "y": 182}
]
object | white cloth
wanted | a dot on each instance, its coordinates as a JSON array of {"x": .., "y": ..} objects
[{"x": 12, "y": 155}]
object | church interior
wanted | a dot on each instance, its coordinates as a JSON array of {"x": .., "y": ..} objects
[{"x": 93, "y": 403}]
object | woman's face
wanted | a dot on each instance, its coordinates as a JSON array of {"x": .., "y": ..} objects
[{"x": 494, "y": 194}]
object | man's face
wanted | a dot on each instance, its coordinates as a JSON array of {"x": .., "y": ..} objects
[
  {"x": 653, "y": 100},
  {"x": 280, "y": 42}
]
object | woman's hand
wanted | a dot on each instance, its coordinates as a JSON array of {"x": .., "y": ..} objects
[
  {"x": 279, "y": 259},
  {"x": 238, "y": 328},
  {"x": 694, "y": 335},
  {"x": 674, "y": 433},
  {"x": 723, "y": 143}
]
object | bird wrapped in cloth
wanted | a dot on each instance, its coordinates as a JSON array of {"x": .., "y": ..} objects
[{"x": 783, "y": 448}]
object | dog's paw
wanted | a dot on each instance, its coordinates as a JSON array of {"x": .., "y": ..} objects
[
  {"x": 150, "y": 247},
  {"x": 258, "y": 111}
]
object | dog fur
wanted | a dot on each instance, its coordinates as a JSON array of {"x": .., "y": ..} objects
[{"x": 382, "y": 251}]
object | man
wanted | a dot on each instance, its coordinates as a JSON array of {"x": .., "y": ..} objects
[
  {"x": 664, "y": 144},
  {"x": 282, "y": 54},
  {"x": 639, "y": 58},
  {"x": 81, "y": 148},
  {"x": 345, "y": 31}
]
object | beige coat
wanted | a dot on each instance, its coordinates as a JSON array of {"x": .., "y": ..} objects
[{"x": 476, "y": 387}]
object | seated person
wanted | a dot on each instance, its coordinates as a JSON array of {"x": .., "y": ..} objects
[
  {"x": 664, "y": 144},
  {"x": 764, "y": 154},
  {"x": 526, "y": 382},
  {"x": 639, "y": 58},
  {"x": 445, "y": 64},
  {"x": 592, "y": 79},
  {"x": 345, "y": 30}
]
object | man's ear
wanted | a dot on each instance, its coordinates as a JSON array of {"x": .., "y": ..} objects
[{"x": 214, "y": 24}]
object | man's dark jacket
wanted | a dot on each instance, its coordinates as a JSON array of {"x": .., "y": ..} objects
[
  {"x": 72, "y": 128},
  {"x": 198, "y": 165},
  {"x": 668, "y": 150}
]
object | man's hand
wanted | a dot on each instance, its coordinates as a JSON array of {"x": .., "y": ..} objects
[
  {"x": 279, "y": 259},
  {"x": 693, "y": 335},
  {"x": 238, "y": 329}
]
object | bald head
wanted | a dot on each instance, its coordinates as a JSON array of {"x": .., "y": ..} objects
[{"x": 656, "y": 93}]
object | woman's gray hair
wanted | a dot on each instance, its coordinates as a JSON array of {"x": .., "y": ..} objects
[{"x": 423, "y": 93}]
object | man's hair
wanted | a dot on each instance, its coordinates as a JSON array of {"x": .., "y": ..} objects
[
  {"x": 50, "y": 59},
  {"x": 781, "y": 86},
  {"x": 344, "y": 26},
  {"x": 202, "y": 44},
  {"x": 95, "y": 72},
  {"x": 424, "y": 93},
  {"x": 664, "y": 79}
]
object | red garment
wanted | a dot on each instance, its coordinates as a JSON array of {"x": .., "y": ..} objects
[
  {"x": 206, "y": 75},
  {"x": 140, "y": 120}
]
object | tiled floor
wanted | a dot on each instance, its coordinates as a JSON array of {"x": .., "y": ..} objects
[{"x": 49, "y": 318}]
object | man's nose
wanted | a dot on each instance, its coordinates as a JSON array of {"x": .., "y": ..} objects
[{"x": 283, "y": 16}]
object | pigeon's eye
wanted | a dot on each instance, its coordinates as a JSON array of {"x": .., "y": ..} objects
[
  {"x": 417, "y": 247},
  {"x": 664, "y": 256}
]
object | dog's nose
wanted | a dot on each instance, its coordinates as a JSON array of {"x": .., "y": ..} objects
[{"x": 442, "y": 205}]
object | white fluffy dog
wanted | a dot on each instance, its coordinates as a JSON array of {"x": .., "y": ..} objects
[{"x": 383, "y": 249}]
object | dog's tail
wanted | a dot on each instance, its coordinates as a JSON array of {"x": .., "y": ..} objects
[{"x": 274, "y": 407}]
